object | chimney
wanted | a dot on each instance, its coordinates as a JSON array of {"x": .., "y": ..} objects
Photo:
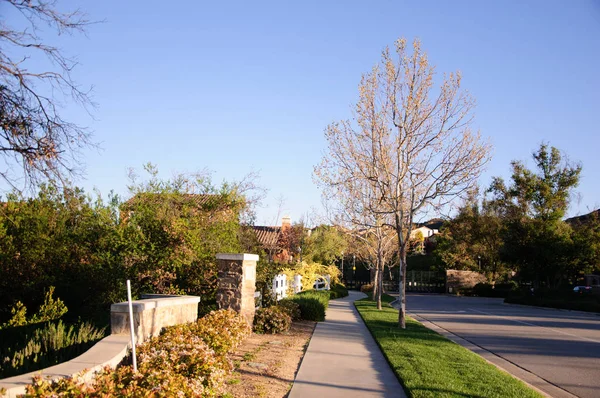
[{"x": 286, "y": 222}]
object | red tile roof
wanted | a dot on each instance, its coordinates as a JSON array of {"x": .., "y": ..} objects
[{"x": 268, "y": 237}]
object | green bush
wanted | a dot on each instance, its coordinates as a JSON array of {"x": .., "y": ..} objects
[
  {"x": 38, "y": 346},
  {"x": 338, "y": 291},
  {"x": 272, "y": 320},
  {"x": 292, "y": 308},
  {"x": 50, "y": 310},
  {"x": 489, "y": 290},
  {"x": 313, "y": 304}
]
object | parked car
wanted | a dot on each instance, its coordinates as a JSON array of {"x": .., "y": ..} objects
[{"x": 582, "y": 289}]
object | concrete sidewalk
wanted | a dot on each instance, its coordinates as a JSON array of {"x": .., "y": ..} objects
[{"x": 343, "y": 360}]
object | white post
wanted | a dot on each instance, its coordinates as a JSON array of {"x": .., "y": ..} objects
[
  {"x": 131, "y": 326},
  {"x": 297, "y": 283}
]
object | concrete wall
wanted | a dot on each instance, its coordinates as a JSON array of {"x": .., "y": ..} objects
[{"x": 153, "y": 313}]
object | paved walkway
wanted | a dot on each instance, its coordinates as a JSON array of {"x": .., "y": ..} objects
[{"x": 343, "y": 360}]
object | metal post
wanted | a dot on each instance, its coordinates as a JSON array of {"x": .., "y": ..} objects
[
  {"x": 131, "y": 326},
  {"x": 343, "y": 279}
]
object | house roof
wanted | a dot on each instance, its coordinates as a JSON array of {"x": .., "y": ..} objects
[
  {"x": 434, "y": 223},
  {"x": 267, "y": 236}
]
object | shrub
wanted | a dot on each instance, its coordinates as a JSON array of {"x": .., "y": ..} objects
[
  {"x": 291, "y": 308},
  {"x": 222, "y": 330},
  {"x": 311, "y": 271},
  {"x": 50, "y": 310},
  {"x": 182, "y": 353},
  {"x": 368, "y": 288},
  {"x": 44, "y": 345},
  {"x": 489, "y": 290},
  {"x": 185, "y": 361},
  {"x": 272, "y": 320},
  {"x": 338, "y": 291},
  {"x": 312, "y": 304}
]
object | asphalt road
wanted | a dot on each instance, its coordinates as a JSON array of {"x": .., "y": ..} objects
[{"x": 561, "y": 347}]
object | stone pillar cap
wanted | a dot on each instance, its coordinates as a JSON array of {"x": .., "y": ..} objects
[{"x": 237, "y": 256}]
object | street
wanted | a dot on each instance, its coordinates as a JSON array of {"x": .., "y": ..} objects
[{"x": 561, "y": 347}]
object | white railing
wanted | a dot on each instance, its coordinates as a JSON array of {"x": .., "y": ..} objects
[
  {"x": 323, "y": 283},
  {"x": 280, "y": 286}
]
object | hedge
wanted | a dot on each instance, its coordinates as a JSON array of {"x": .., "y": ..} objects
[{"x": 313, "y": 304}]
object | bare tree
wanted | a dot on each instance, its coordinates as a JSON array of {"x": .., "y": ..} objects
[
  {"x": 375, "y": 246},
  {"x": 36, "y": 143},
  {"x": 350, "y": 205},
  {"x": 411, "y": 141}
]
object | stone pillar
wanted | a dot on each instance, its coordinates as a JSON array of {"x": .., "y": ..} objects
[{"x": 237, "y": 283}]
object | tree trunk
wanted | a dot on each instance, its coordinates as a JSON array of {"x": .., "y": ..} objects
[
  {"x": 379, "y": 278},
  {"x": 402, "y": 311},
  {"x": 402, "y": 243},
  {"x": 375, "y": 285}
]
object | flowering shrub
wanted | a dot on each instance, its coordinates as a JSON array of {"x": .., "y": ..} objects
[
  {"x": 185, "y": 361},
  {"x": 310, "y": 272},
  {"x": 292, "y": 308},
  {"x": 222, "y": 330},
  {"x": 183, "y": 354},
  {"x": 272, "y": 320}
]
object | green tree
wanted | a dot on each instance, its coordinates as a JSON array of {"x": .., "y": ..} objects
[
  {"x": 533, "y": 205},
  {"x": 172, "y": 229},
  {"x": 325, "y": 245},
  {"x": 60, "y": 238},
  {"x": 473, "y": 239}
]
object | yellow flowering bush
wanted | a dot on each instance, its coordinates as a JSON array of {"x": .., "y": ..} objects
[{"x": 310, "y": 272}]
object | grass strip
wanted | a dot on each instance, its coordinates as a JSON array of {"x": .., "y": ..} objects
[{"x": 429, "y": 365}]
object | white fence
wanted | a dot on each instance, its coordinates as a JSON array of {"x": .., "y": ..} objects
[
  {"x": 280, "y": 287},
  {"x": 323, "y": 283}
]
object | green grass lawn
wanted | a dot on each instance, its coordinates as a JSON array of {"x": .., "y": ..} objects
[{"x": 429, "y": 365}]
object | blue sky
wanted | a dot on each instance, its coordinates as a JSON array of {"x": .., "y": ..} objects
[{"x": 235, "y": 86}]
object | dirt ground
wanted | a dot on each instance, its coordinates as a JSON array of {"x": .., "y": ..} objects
[{"x": 266, "y": 365}]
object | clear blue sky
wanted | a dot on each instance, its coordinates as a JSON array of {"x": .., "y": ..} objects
[{"x": 239, "y": 85}]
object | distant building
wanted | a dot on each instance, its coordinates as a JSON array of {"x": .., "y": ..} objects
[{"x": 274, "y": 240}]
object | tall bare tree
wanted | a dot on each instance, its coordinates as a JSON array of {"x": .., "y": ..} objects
[
  {"x": 411, "y": 140},
  {"x": 36, "y": 143}
]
